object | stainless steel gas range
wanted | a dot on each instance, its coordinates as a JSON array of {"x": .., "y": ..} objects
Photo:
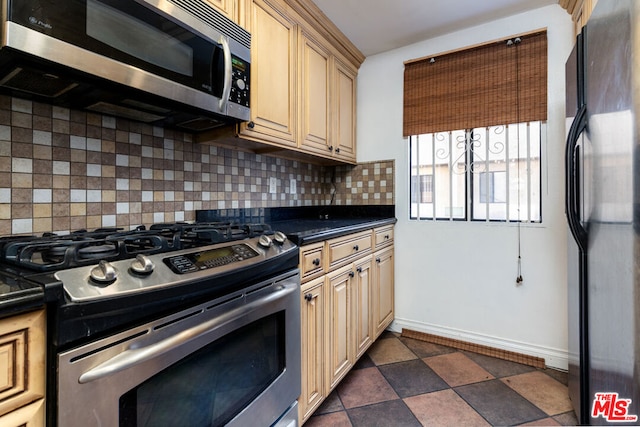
[{"x": 180, "y": 324}]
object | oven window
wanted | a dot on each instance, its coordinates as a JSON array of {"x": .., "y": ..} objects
[{"x": 212, "y": 385}]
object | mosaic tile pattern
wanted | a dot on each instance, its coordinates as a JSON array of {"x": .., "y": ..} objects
[{"x": 63, "y": 170}]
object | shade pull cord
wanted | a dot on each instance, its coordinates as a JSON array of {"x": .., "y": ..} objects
[{"x": 516, "y": 42}]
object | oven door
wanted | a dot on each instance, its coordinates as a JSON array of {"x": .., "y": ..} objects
[{"x": 235, "y": 362}]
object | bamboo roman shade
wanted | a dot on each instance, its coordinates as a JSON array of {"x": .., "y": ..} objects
[{"x": 492, "y": 84}]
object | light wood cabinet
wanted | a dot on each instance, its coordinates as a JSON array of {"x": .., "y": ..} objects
[
  {"x": 22, "y": 369},
  {"x": 302, "y": 88},
  {"x": 315, "y": 68},
  {"x": 229, "y": 8},
  {"x": 383, "y": 276},
  {"x": 311, "y": 261},
  {"x": 342, "y": 250},
  {"x": 580, "y": 11},
  {"x": 383, "y": 289},
  {"x": 313, "y": 346},
  {"x": 31, "y": 415},
  {"x": 362, "y": 301},
  {"x": 355, "y": 286},
  {"x": 343, "y": 143},
  {"x": 382, "y": 237},
  {"x": 340, "y": 349},
  {"x": 273, "y": 77}
]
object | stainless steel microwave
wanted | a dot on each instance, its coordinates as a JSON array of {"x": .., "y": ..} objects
[{"x": 179, "y": 63}]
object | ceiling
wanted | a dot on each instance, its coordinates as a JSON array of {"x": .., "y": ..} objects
[{"x": 376, "y": 26}]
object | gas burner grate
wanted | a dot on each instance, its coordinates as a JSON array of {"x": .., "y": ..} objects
[{"x": 52, "y": 252}]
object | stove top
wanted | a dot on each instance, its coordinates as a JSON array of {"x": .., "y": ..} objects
[{"x": 52, "y": 252}]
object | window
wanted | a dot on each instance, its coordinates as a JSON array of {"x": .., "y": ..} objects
[
  {"x": 476, "y": 121},
  {"x": 486, "y": 174},
  {"x": 422, "y": 185}
]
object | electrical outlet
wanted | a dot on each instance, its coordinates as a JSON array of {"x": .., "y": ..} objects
[
  {"x": 292, "y": 186},
  {"x": 272, "y": 185}
]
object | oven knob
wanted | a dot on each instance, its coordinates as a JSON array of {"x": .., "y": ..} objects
[
  {"x": 104, "y": 273},
  {"x": 142, "y": 265},
  {"x": 264, "y": 241},
  {"x": 279, "y": 237}
]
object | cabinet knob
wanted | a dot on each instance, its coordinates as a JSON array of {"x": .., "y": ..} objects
[
  {"x": 359, "y": 269},
  {"x": 378, "y": 260},
  {"x": 308, "y": 297},
  {"x": 316, "y": 262},
  {"x": 251, "y": 125},
  {"x": 352, "y": 274},
  {"x": 356, "y": 247},
  {"x": 331, "y": 148},
  {"x": 337, "y": 150},
  {"x": 386, "y": 237}
]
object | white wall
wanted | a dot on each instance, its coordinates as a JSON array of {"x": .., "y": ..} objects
[{"x": 458, "y": 279}]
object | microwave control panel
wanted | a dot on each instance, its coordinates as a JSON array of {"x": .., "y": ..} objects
[{"x": 241, "y": 80}]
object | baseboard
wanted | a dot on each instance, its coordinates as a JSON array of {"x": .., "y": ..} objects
[{"x": 484, "y": 344}]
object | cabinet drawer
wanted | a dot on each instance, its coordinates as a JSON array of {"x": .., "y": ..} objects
[
  {"x": 311, "y": 261},
  {"x": 343, "y": 249},
  {"x": 383, "y": 236}
]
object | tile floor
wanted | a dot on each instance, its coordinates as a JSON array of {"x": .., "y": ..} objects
[{"x": 405, "y": 382}]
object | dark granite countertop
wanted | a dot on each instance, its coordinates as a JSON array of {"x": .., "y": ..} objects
[
  {"x": 306, "y": 231},
  {"x": 308, "y": 224},
  {"x": 18, "y": 295}
]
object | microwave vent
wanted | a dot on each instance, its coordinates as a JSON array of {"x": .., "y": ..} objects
[
  {"x": 206, "y": 13},
  {"x": 145, "y": 106},
  {"x": 37, "y": 83},
  {"x": 200, "y": 124},
  {"x": 129, "y": 113}
]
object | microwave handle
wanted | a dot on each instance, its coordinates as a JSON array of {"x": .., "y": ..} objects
[
  {"x": 228, "y": 74},
  {"x": 134, "y": 356}
]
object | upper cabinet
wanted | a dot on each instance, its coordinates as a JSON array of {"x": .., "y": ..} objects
[
  {"x": 343, "y": 143},
  {"x": 580, "y": 11},
  {"x": 315, "y": 82},
  {"x": 273, "y": 82},
  {"x": 303, "y": 83},
  {"x": 229, "y": 8}
]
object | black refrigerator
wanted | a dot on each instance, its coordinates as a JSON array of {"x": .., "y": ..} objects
[{"x": 603, "y": 214}]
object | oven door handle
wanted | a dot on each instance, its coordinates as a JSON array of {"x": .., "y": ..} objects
[{"x": 135, "y": 356}]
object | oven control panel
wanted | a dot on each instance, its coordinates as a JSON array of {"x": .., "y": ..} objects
[{"x": 210, "y": 258}]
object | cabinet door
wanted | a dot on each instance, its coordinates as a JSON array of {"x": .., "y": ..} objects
[
  {"x": 228, "y": 8},
  {"x": 312, "y": 340},
  {"x": 383, "y": 289},
  {"x": 339, "y": 307},
  {"x": 22, "y": 358},
  {"x": 273, "y": 76},
  {"x": 31, "y": 415},
  {"x": 362, "y": 315},
  {"x": 314, "y": 95},
  {"x": 344, "y": 104}
]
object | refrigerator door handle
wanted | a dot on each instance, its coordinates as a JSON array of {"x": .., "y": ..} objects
[{"x": 572, "y": 181}]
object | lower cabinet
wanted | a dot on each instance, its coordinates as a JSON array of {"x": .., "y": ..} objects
[
  {"x": 383, "y": 290},
  {"x": 31, "y": 415},
  {"x": 313, "y": 346},
  {"x": 22, "y": 371},
  {"x": 342, "y": 313},
  {"x": 362, "y": 301}
]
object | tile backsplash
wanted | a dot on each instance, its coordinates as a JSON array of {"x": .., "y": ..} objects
[{"x": 63, "y": 170}]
